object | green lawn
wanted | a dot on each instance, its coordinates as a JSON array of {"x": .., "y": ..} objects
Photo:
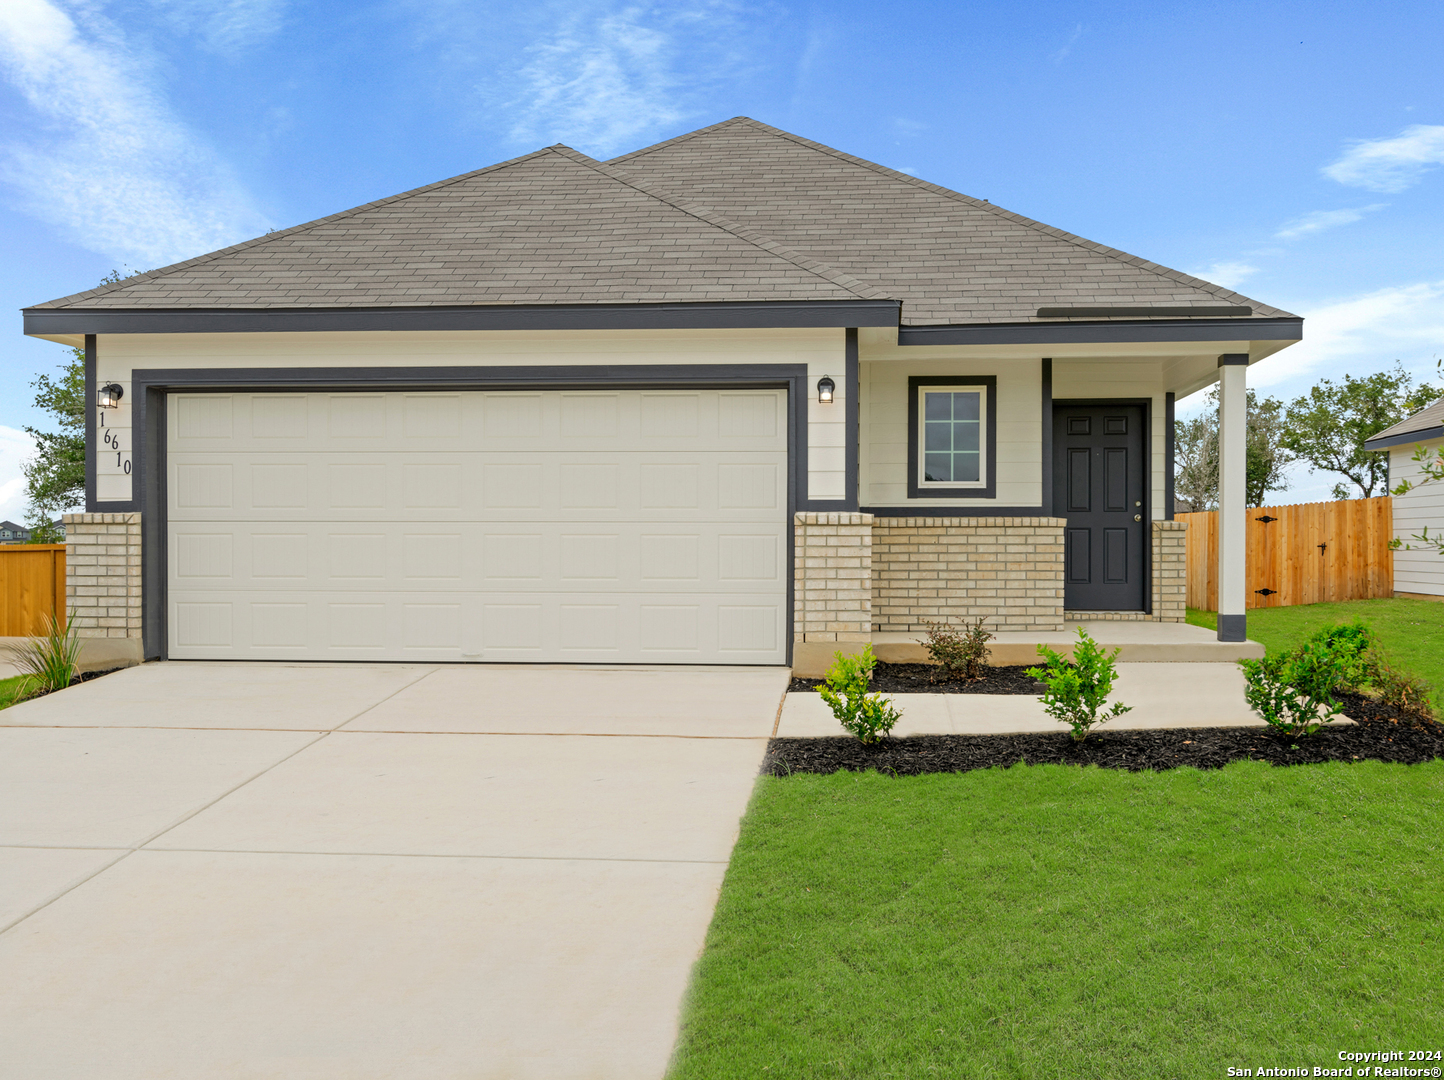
[
  {"x": 1062, "y": 922},
  {"x": 1410, "y": 631},
  {"x": 9, "y": 688}
]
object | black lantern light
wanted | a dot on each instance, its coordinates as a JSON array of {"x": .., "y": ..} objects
[
  {"x": 825, "y": 387},
  {"x": 109, "y": 395}
]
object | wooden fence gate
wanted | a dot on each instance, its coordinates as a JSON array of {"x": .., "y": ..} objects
[
  {"x": 32, "y": 588},
  {"x": 1303, "y": 554}
]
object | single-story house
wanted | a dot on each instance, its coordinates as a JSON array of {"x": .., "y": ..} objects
[
  {"x": 1418, "y": 572},
  {"x": 733, "y": 398}
]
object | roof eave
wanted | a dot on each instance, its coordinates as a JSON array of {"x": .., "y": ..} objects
[
  {"x": 1069, "y": 333},
  {"x": 50, "y": 322},
  {"x": 1384, "y": 441}
]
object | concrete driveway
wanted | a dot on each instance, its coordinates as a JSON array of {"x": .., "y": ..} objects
[{"x": 337, "y": 871}]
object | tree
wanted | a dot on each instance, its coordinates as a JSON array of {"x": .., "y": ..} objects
[
  {"x": 55, "y": 477},
  {"x": 1328, "y": 426},
  {"x": 1195, "y": 453}
]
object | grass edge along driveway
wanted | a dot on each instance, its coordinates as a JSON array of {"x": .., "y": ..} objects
[{"x": 1057, "y": 921}]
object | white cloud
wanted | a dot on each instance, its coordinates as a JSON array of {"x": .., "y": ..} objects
[
  {"x": 606, "y": 80},
  {"x": 1390, "y": 165},
  {"x": 1361, "y": 335},
  {"x": 1228, "y": 274},
  {"x": 1320, "y": 220},
  {"x": 225, "y": 25},
  {"x": 15, "y": 447},
  {"x": 102, "y": 156},
  {"x": 1062, "y": 54}
]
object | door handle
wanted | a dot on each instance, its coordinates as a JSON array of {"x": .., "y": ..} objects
[{"x": 1137, "y": 517}]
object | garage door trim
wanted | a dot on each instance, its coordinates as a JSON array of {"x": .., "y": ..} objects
[{"x": 150, "y": 387}]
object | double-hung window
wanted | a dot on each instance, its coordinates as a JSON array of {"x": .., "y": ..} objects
[{"x": 952, "y": 437}]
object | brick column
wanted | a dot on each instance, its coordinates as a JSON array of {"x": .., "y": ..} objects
[
  {"x": 1170, "y": 571},
  {"x": 103, "y": 587},
  {"x": 832, "y": 587}
]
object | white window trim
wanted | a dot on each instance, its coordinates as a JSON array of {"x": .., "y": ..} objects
[{"x": 984, "y": 404}]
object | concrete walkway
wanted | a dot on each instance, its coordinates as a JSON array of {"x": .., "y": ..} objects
[{"x": 312, "y": 871}]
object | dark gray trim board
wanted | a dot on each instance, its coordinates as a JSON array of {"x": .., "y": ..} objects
[
  {"x": 709, "y": 316},
  {"x": 149, "y": 387},
  {"x": 1233, "y": 628},
  {"x": 1233, "y": 359},
  {"x": 1045, "y": 418},
  {"x": 1379, "y": 442},
  {"x": 1185, "y": 311},
  {"x": 1154, "y": 330},
  {"x": 851, "y": 402},
  {"x": 1168, "y": 453},
  {"x": 90, "y": 421},
  {"x": 989, "y": 490}
]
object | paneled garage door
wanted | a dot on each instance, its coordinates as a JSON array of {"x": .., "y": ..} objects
[{"x": 552, "y": 526}]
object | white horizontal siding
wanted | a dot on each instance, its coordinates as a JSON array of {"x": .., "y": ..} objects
[
  {"x": 820, "y": 349},
  {"x": 1421, "y": 570}
]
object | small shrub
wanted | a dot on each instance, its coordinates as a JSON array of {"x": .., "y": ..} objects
[
  {"x": 869, "y": 717},
  {"x": 1078, "y": 689},
  {"x": 1292, "y": 692},
  {"x": 961, "y": 653},
  {"x": 48, "y": 663},
  {"x": 1400, "y": 689},
  {"x": 1346, "y": 648}
]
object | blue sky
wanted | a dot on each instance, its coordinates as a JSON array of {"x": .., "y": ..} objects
[{"x": 1294, "y": 151}]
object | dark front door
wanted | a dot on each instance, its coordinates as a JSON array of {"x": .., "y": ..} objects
[{"x": 1099, "y": 477}]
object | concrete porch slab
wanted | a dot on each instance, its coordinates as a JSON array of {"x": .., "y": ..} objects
[{"x": 1162, "y": 695}]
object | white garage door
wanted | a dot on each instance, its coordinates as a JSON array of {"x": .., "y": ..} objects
[{"x": 646, "y": 526}]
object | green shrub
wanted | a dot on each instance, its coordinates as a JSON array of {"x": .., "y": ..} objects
[
  {"x": 1078, "y": 689},
  {"x": 1400, "y": 689},
  {"x": 1293, "y": 692},
  {"x": 869, "y": 717},
  {"x": 962, "y": 654},
  {"x": 48, "y": 663},
  {"x": 1343, "y": 648}
]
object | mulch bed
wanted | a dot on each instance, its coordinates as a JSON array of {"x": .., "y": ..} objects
[
  {"x": 925, "y": 679},
  {"x": 1379, "y": 734}
]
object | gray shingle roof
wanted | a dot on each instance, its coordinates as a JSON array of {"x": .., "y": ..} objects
[
  {"x": 735, "y": 212},
  {"x": 949, "y": 257},
  {"x": 553, "y": 227},
  {"x": 1427, "y": 418}
]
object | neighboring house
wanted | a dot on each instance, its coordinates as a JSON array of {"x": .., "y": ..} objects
[
  {"x": 10, "y": 533},
  {"x": 736, "y": 397},
  {"x": 1419, "y": 572}
]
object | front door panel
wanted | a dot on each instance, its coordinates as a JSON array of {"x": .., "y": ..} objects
[{"x": 1099, "y": 480}]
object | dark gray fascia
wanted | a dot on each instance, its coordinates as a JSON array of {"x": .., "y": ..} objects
[
  {"x": 1154, "y": 330},
  {"x": 1195, "y": 311},
  {"x": 1383, "y": 442},
  {"x": 710, "y": 316}
]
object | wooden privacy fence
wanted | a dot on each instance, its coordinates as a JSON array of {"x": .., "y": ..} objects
[
  {"x": 32, "y": 587},
  {"x": 1302, "y": 554}
]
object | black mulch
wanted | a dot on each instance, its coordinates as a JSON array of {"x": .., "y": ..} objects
[
  {"x": 1380, "y": 734},
  {"x": 927, "y": 679}
]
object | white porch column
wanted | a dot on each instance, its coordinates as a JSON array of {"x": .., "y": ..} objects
[{"x": 1232, "y": 496}]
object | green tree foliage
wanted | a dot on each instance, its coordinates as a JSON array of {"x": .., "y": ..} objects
[
  {"x": 55, "y": 477},
  {"x": 1195, "y": 448},
  {"x": 1327, "y": 427}
]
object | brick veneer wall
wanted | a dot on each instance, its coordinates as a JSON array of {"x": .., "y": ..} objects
[
  {"x": 1007, "y": 568},
  {"x": 832, "y": 570},
  {"x": 102, "y": 574},
  {"x": 1170, "y": 571}
]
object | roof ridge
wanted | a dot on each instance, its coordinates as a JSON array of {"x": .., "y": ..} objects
[
  {"x": 680, "y": 138},
  {"x": 742, "y": 232},
  {"x": 255, "y": 241},
  {"x": 1116, "y": 254}
]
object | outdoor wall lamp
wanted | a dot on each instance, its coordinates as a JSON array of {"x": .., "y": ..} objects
[
  {"x": 109, "y": 395},
  {"x": 825, "y": 387}
]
